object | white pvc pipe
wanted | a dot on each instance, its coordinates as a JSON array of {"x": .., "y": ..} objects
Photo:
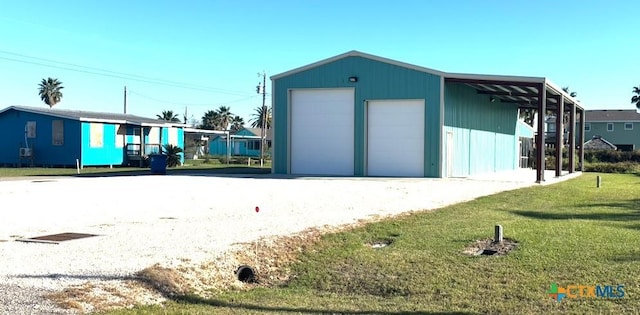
[{"x": 78, "y": 166}]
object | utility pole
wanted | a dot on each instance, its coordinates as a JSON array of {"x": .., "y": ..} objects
[
  {"x": 263, "y": 89},
  {"x": 125, "y": 99}
]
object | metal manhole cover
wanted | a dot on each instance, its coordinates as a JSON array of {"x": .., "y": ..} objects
[{"x": 56, "y": 238}]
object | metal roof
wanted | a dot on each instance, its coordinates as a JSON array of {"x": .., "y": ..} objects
[
  {"x": 612, "y": 115},
  {"x": 94, "y": 116},
  {"x": 355, "y": 53},
  {"x": 520, "y": 90},
  {"x": 204, "y": 131}
]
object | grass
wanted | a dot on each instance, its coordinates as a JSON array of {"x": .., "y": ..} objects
[
  {"x": 568, "y": 233},
  {"x": 190, "y": 166}
]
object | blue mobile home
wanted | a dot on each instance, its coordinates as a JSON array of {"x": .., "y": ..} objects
[
  {"x": 357, "y": 114},
  {"x": 55, "y": 137},
  {"x": 245, "y": 142}
]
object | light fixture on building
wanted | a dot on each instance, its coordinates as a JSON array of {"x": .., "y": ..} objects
[
  {"x": 353, "y": 79},
  {"x": 492, "y": 99}
]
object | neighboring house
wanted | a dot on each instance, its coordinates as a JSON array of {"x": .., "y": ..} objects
[
  {"x": 196, "y": 141},
  {"x": 56, "y": 137},
  {"x": 550, "y": 131},
  {"x": 598, "y": 143},
  {"x": 245, "y": 142},
  {"x": 357, "y": 114},
  {"x": 620, "y": 127}
]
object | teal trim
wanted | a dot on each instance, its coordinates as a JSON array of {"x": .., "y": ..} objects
[{"x": 376, "y": 81}]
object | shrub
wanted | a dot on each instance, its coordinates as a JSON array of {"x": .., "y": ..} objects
[
  {"x": 208, "y": 159},
  {"x": 173, "y": 154},
  {"x": 619, "y": 167},
  {"x": 610, "y": 156}
]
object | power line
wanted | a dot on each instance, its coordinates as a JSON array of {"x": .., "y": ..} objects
[
  {"x": 114, "y": 74},
  {"x": 187, "y": 104}
]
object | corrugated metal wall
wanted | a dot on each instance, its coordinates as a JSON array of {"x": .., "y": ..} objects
[
  {"x": 376, "y": 81},
  {"x": 484, "y": 132},
  {"x": 525, "y": 130}
]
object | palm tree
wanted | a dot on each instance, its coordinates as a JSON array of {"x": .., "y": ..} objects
[
  {"x": 528, "y": 115},
  {"x": 173, "y": 154},
  {"x": 258, "y": 117},
  {"x": 636, "y": 98},
  {"x": 237, "y": 123},
  {"x": 50, "y": 92},
  {"x": 572, "y": 94},
  {"x": 168, "y": 115},
  {"x": 224, "y": 117},
  {"x": 210, "y": 120}
]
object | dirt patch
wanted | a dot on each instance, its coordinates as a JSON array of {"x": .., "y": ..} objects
[
  {"x": 166, "y": 281},
  {"x": 104, "y": 296},
  {"x": 490, "y": 248},
  {"x": 271, "y": 259}
]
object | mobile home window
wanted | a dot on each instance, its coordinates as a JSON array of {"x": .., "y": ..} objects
[
  {"x": 96, "y": 135},
  {"x": 254, "y": 145},
  {"x": 30, "y": 129},
  {"x": 587, "y": 127},
  {"x": 609, "y": 126},
  {"x": 628, "y": 126},
  {"x": 57, "y": 132}
]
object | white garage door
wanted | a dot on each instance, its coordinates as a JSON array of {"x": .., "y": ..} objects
[
  {"x": 395, "y": 138},
  {"x": 322, "y": 127}
]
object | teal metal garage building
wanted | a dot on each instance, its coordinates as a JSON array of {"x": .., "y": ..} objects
[{"x": 357, "y": 114}]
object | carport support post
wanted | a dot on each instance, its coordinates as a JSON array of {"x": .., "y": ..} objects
[
  {"x": 559, "y": 134},
  {"x": 581, "y": 132},
  {"x": 542, "y": 110},
  {"x": 572, "y": 139}
]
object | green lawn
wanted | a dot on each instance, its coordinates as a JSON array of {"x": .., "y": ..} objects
[
  {"x": 190, "y": 166},
  {"x": 570, "y": 233}
]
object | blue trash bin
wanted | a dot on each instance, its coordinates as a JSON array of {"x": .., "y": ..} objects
[{"x": 158, "y": 163}]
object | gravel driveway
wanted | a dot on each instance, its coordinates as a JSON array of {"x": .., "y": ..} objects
[{"x": 177, "y": 220}]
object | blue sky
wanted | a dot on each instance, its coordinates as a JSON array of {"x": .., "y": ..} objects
[{"x": 203, "y": 54}]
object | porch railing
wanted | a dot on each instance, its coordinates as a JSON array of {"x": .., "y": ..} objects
[{"x": 134, "y": 149}]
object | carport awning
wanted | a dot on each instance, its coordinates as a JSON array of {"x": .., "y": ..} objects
[
  {"x": 521, "y": 91},
  {"x": 538, "y": 94}
]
